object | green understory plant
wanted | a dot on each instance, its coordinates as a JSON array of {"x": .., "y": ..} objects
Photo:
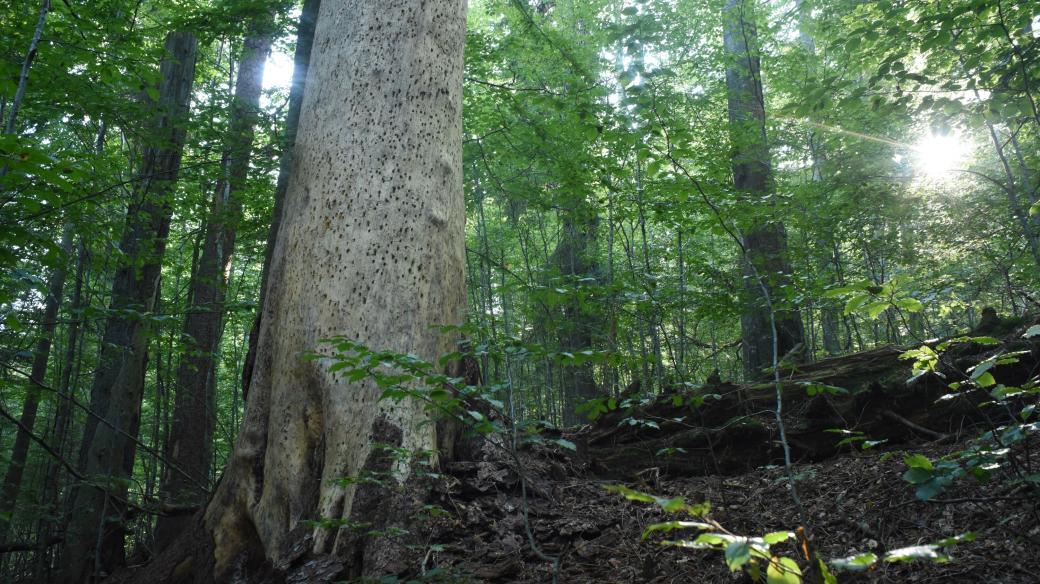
[
  {"x": 994, "y": 457},
  {"x": 756, "y": 556}
]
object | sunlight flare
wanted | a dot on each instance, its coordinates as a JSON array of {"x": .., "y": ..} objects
[{"x": 938, "y": 156}]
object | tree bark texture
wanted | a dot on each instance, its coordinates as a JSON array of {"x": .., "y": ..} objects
[
  {"x": 94, "y": 540},
  {"x": 301, "y": 62},
  {"x": 371, "y": 246},
  {"x": 765, "y": 242},
  {"x": 574, "y": 258},
  {"x": 190, "y": 443}
]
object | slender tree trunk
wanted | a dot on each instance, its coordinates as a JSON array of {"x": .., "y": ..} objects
[
  {"x": 680, "y": 362},
  {"x": 23, "y": 77},
  {"x": 37, "y": 375},
  {"x": 654, "y": 314},
  {"x": 301, "y": 63},
  {"x": 62, "y": 415},
  {"x": 189, "y": 446},
  {"x": 55, "y": 473},
  {"x": 612, "y": 311},
  {"x": 94, "y": 539},
  {"x": 766, "y": 241}
]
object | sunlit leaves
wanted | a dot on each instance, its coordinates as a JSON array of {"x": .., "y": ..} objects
[{"x": 670, "y": 505}]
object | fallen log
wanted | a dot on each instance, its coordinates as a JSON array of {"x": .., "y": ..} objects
[{"x": 724, "y": 428}]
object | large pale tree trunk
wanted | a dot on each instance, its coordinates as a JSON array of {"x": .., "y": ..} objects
[
  {"x": 94, "y": 538},
  {"x": 765, "y": 242},
  {"x": 190, "y": 444},
  {"x": 371, "y": 246}
]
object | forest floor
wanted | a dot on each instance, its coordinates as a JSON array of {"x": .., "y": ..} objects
[{"x": 726, "y": 451}]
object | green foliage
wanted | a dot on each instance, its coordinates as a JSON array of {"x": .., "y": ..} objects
[
  {"x": 751, "y": 554},
  {"x": 872, "y": 299},
  {"x": 855, "y": 437},
  {"x": 991, "y": 455}
]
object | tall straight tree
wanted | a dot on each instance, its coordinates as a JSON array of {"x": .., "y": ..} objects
[
  {"x": 94, "y": 538},
  {"x": 301, "y": 62},
  {"x": 37, "y": 377},
  {"x": 371, "y": 246},
  {"x": 190, "y": 443},
  {"x": 574, "y": 258},
  {"x": 765, "y": 241}
]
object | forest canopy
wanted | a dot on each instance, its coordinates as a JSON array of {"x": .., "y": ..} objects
[{"x": 268, "y": 265}]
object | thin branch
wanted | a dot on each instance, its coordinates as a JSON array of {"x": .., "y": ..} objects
[{"x": 40, "y": 441}]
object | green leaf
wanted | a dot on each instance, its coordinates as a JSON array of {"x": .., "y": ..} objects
[
  {"x": 964, "y": 537},
  {"x": 714, "y": 539},
  {"x": 566, "y": 444},
  {"x": 738, "y": 553},
  {"x": 673, "y": 525},
  {"x": 783, "y": 571},
  {"x": 856, "y": 302},
  {"x": 777, "y": 537},
  {"x": 980, "y": 369},
  {"x": 986, "y": 380},
  {"x": 1033, "y": 331},
  {"x": 876, "y": 308},
  {"x": 828, "y": 576},
  {"x": 671, "y": 505},
  {"x": 930, "y": 488},
  {"x": 919, "y": 461},
  {"x": 12, "y": 322},
  {"x": 841, "y": 291},
  {"x": 909, "y": 304},
  {"x": 630, "y": 494},
  {"x": 857, "y": 563},
  {"x": 916, "y": 476}
]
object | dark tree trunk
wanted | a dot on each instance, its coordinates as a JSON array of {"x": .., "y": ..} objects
[
  {"x": 765, "y": 241},
  {"x": 830, "y": 322},
  {"x": 301, "y": 62},
  {"x": 37, "y": 377},
  {"x": 94, "y": 539},
  {"x": 62, "y": 417},
  {"x": 190, "y": 444},
  {"x": 574, "y": 260}
]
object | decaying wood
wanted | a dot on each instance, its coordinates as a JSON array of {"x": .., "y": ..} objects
[{"x": 725, "y": 428}]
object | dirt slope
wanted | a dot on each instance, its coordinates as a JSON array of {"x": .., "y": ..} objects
[{"x": 726, "y": 451}]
